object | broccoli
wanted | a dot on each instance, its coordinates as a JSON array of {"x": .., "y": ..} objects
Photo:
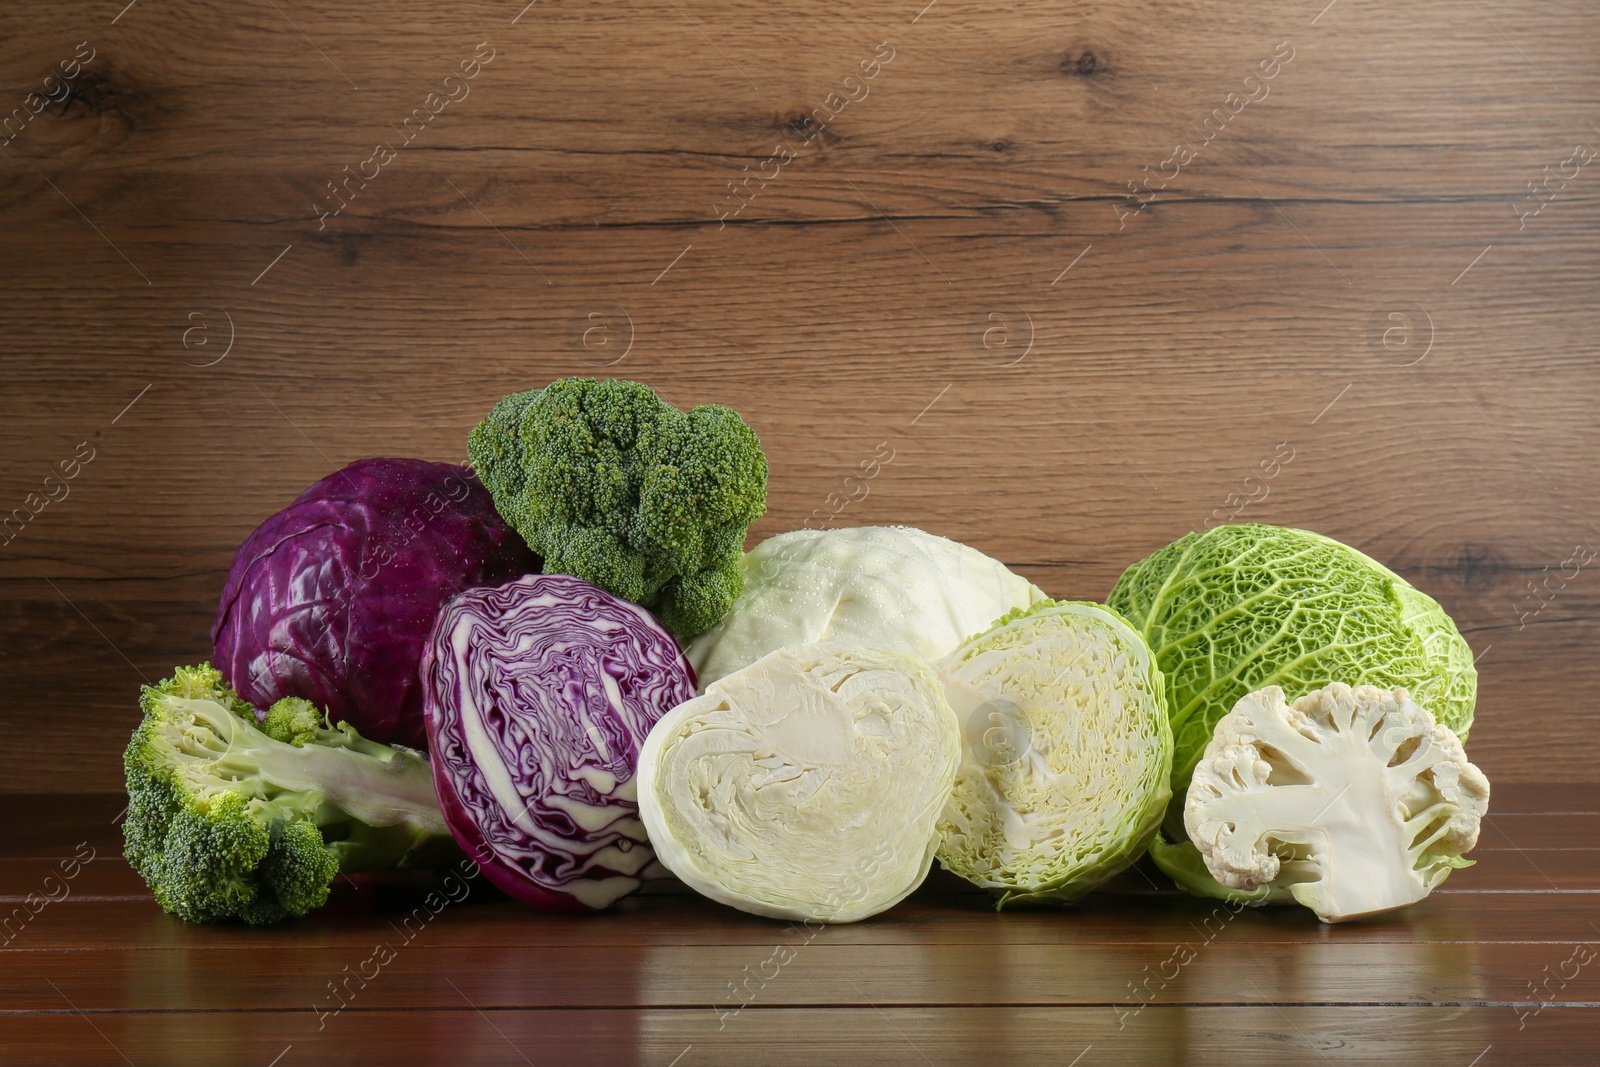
[
  {"x": 612, "y": 484},
  {"x": 227, "y": 820}
]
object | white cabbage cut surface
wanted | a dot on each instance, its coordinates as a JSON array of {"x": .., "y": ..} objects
[
  {"x": 1066, "y": 753},
  {"x": 890, "y": 587},
  {"x": 1354, "y": 799},
  {"x": 806, "y": 786}
]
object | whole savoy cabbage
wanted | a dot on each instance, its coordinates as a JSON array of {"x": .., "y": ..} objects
[{"x": 1237, "y": 608}]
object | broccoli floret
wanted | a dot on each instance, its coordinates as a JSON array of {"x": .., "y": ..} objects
[
  {"x": 612, "y": 484},
  {"x": 228, "y": 821},
  {"x": 294, "y": 721}
]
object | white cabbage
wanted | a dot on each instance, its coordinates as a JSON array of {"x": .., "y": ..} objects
[
  {"x": 806, "y": 786},
  {"x": 891, "y": 587},
  {"x": 1066, "y": 754}
]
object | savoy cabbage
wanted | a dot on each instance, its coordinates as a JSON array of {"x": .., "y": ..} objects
[{"x": 1234, "y": 609}]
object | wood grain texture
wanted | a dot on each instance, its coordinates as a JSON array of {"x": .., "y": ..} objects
[
  {"x": 498, "y": 978},
  {"x": 954, "y": 263},
  {"x": 860, "y": 296},
  {"x": 1261, "y": 1035},
  {"x": 1497, "y": 965}
]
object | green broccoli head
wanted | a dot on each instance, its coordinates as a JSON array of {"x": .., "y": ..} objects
[
  {"x": 612, "y": 484},
  {"x": 227, "y": 821}
]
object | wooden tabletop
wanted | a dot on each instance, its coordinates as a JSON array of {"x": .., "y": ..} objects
[{"x": 1496, "y": 968}]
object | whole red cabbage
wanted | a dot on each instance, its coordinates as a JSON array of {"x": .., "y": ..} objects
[
  {"x": 333, "y": 598},
  {"x": 539, "y": 695}
]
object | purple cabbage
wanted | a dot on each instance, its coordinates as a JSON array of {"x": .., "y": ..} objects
[
  {"x": 333, "y": 598},
  {"x": 539, "y": 695}
]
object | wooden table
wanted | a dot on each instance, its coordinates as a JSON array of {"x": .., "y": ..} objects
[{"x": 1498, "y": 967}]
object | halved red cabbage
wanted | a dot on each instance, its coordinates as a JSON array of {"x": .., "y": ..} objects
[
  {"x": 332, "y": 598},
  {"x": 538, "y": 696}
]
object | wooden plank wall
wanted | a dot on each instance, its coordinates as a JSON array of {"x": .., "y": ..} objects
[{"x": 941, "y": 251}]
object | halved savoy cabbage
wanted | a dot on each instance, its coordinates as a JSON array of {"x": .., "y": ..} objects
[{"x": 1066, "y": 754}]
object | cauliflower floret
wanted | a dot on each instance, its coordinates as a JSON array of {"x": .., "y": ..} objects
[{"x": 1354, "y": 800}]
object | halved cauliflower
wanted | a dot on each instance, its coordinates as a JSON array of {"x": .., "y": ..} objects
[{"x": 1355, "y": 800}]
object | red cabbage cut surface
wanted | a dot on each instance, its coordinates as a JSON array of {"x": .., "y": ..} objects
[
  {"x": 539, "y": 695},
  {"x": 333, "y": 598}
]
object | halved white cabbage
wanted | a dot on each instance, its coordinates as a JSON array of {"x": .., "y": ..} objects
[
  {"x": 1066, "y": 754},
  {"x": 806, "y": 786},
  {"x": 891, "y": 587}
]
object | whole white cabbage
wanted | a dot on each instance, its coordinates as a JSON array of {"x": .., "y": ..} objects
[
  {"x": 806, "y": 786},
  {"x": 891, "y": 587}
]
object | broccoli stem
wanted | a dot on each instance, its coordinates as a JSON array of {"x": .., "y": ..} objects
[
  {"x": 375, "y": 805},
  {"x": 402, "y": 847}
]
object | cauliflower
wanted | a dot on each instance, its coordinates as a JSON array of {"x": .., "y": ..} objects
[{"x": 1354, "y": 800}]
